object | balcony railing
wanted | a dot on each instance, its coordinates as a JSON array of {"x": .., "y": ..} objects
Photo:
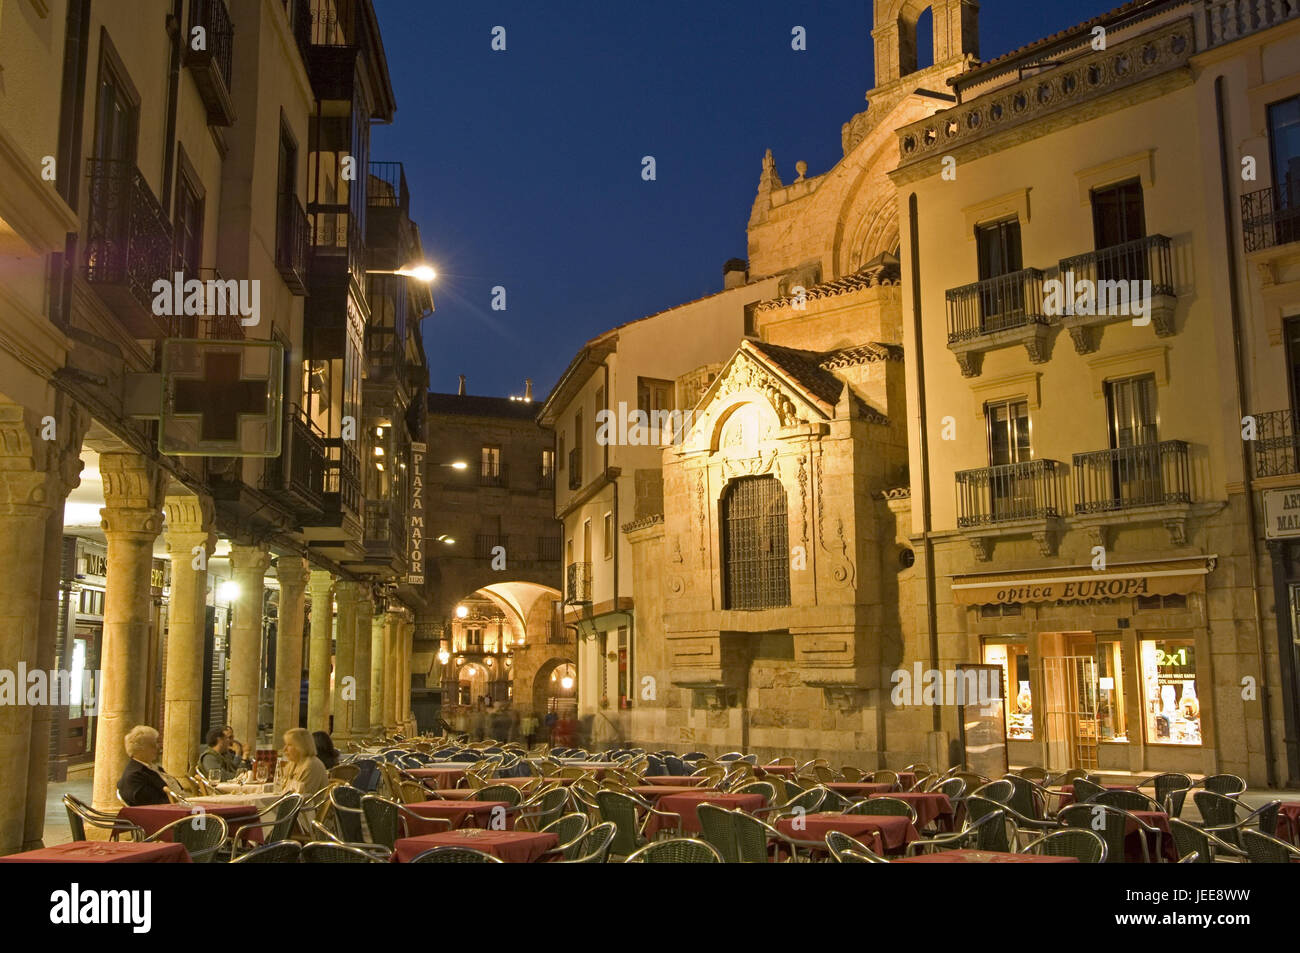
[
  {"x": 333, "y": 22},
  {"x": 1142, "y": 260},
  {"x": 333, "y": 233},
  {"x": 1270, "y": 217},
  {"x": 343, "y": 475},
  {"x": 1276, "y": 447},
  {"x": 299, "y": 472},
  {"x": 291, "y": 230},
  {"x": 491, "y": 473},
  {"x": 1019, "y": 491},
  {"x": 1151, "y": 474},
  {"x": 549, "y": 548},
  {"x": 213, "y": 65},
  {"x": 545, "y": 477},
  {"x": 575, "y": 468},
  {"x": 387, "y": 186},
  {"x": 385, "y": 523},
  {"x": 1003, "y": 303},
  {"x": 577, "y": 590},
  {"x": 128, "y": 244},
  {"x": 483, "y": 545}
]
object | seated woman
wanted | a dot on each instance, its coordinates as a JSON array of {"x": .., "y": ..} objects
[
  {"x": 325, "y": 749},
  {"x": 304, "y": 774},
  {"x": 141, "y": 783}
]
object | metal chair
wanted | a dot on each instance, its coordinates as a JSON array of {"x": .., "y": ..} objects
[
  {"x": 593, "y": 848},
  {"x": 500, "y": 792},
  {"x": 1083, "y": 845},
  {"x": 385, "y": 819},
  {"x": 283, "y": 814},
  {"x": 1228, "y": 785},
  {"x": 203, "y": 835},
  {"x": 1262, "y": 849},
  {"x": 1085, "y": 790},
  {"x": 839, "y": 843},
  {"x": 883, "y": 807},
  {"x": 623, "y": 811},
  {"x": 1189, "y": 840},
  {"x": 1164, "y": 787},
  {"x": 1128, "y": 800},
  {"x": 454, "y": 855},
  {"x": 1000, "y": 791},
  {"x": 987, "y": 830},
  {"x": 1219, "y": 814},
  {"x": 80, "y": 814},
  {"x": 718, "y": 830},
  {"x": 330, "y": 852},
  {"x": 681, "y": 850},
  {"x": 754, "y": 838},
  {"x": 279, "y": 852},
  {"x": 345, "y": 804}
]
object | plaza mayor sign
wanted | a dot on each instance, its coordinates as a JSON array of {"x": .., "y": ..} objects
[
  {"x": 1081, "y": 583},
  {"x": 415, "y": 542}
]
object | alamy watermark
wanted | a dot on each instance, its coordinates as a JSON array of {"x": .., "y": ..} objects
[
  {"x": 226, "y": 297},
  {"x": 40, "y": 688},
  {"x": 1068, "y": 295},
  {"x": 642, "y": 428},
  {"x": 972, "y": 687}
]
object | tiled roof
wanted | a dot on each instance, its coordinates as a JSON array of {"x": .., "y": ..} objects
[
  {"x": 881, "y": 271},
  {"x": 808, "y": 369},
  {"x": 467, "y": 405}
]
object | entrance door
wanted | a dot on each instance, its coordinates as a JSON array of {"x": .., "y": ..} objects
[
  {"x": 1070, "y": 711},
  {"x": 1002, "y": 302},
  {"x": 1135, "y": 471},
  {"x": 85, "y": 693},
  {"x": 1011, "y": 495}
]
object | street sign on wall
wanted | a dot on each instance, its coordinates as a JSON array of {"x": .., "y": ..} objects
[{"x": 1282, "y": 513}]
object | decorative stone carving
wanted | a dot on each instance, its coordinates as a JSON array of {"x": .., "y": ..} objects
[
  {"x": 803, "y": 498},
  {"x": 133, "y": 494},
  {"x": 982, "y": 546},
  {"x": 970, "y": 363},
  {"x": 1085, "y": 339},
  {"x": 745, "y": 373},
  {"x": 1177, "y": 527},
  {"x": 1047, "y": 541}
]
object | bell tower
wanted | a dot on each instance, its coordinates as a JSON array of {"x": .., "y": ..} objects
[{"x": 956, "y": 34}]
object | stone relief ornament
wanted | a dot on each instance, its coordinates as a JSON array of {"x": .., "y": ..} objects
[
  {"x": 746, "y": 374},
  {"x": 803, "y": 498}
]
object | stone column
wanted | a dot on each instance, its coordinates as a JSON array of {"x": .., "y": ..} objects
[
  {"x": 321, "y": 588},
  {"x": 388, "y": 681},
  {"x": 190, "y": 542},
  {"x": 345, "y": 652},
  {"x": 292, "y": 572},
  {"x": 132, "y": 519},
  {"x": 361, "y": 727},
  {"x": 248, "y": 565},
  {"x": 378, "y": 666},
  {"x": 404, "y": 676}
]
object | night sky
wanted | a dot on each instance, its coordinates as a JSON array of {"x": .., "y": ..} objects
[{"x": 525, "y": 165}]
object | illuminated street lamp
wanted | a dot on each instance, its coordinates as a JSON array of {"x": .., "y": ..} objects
[
  {"x": 461, "y": 612},
  {"x": 417, "y": 270}
]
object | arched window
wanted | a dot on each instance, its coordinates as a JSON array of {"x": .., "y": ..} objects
[{"x": 755, "y": 544}]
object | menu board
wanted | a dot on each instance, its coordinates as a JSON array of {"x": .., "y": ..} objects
[{"x": 983, "y": 724}]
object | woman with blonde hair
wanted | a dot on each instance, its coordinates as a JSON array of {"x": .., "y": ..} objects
[{"x": 304, "y": 774}]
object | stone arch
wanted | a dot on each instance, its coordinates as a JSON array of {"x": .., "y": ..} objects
[
  {"x": 956, "y": 34},
  {"x": 748, "y": 409},
  {"x": 542, "y": 688}
]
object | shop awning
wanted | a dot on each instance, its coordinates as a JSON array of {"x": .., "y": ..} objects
[{"x": 1072, "y": 583}]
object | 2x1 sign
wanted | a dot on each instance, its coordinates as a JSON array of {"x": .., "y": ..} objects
[{"x": 1282, "y": 513}]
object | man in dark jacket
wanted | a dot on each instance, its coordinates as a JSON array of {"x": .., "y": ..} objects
[{"x": 140, "y": 782}]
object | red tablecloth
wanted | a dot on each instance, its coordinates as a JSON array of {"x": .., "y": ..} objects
[
  {"x": 817, "y": 826},
  {"x": 1288, "y": 822},
  {"x": 860, "y": 788},
  {"x": 895, "y": 832},
  {"x": 459, "y": 812},
  {"x": 983, "y": 857},
  {"x": 516, "y": 847},
  {"x": 651, "y": 792},
  {"x": 674, "y": 780},
  {"x": 103, "y": 852},
  {"x": 907, "y": 780},
  {"x": 151, "y": 817},
  {"x": 1133, "y": 837},
  {"x": 1067, "y": 791},
  {"x": 929, "y": 806},
  {"x": 686, "y": 803},
  {"x": 442, "y": 777}
]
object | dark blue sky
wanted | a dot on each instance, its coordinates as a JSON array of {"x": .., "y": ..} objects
[{"x": 525, "y": 166}]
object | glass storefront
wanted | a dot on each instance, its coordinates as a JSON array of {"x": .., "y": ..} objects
[
  {"x": 1173, "y": 709},
  {"x": 1014, "y": 659},
  {"x": 1111, "y": 720}
]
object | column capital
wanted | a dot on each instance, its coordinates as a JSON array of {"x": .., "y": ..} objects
[
  {"x": 249, "y": 559},
  {"x": 346, "y": 591},
  {"x": 190, "y": 523},
  {"x": 320, "y": 583},
  {"x": 133, "y": 494},
  {"x": 40, "y": 460},
  {"x": 292, "y": 572}
]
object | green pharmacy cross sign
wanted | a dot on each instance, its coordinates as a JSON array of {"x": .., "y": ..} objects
[{"x": 221, "y": 398}]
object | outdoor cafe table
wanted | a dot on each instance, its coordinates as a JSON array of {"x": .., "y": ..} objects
[
  {"x": 675, "y": 780},
  {"x": 443, "y": 777},
  {"x": 152, "y": 817},
  {"x": 257, "y": 802},
  {"x": 685, "y": 804},
  {"x": 860, "y": 788},
  {"x": 906, "y": 779},
  {"x": 1066, "y": 791},
  {"x": 1288, "y": 822},
  {"x": 516, "y": 847},
  {"x": 103, "y": 852},
  {"x": 235, "y": 787},
  {"x": 984, "y": 857},
  {"x": 479, "y": 813},
  {"x": 929, "y": 806},
  {"x": 1133, "y": 842},
  {"x": 782, "y": 769},
  {"x": 652, "y": 791},
  {"x": 892, "y": 832}
]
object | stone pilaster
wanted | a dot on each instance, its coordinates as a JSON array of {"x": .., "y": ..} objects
[
  {"x": 388, "y": 691},
  {"x": 190, "y": 540},
  {"x": 132, "y": 519},
  {"x": 292, "y": 573},
  {"x": 321, "y": 587},
  {"x": 378, "y": 666},
  {"x": 404, "y": 677},
  {"x": 248, "y": 565},
  {"x": 361, "y": 726},
  {"x": 345, "y": 652}
]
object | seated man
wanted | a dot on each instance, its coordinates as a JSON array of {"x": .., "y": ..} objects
[
  {"x": 218, "y": 762},
  {"x": 140, "y": 783}
]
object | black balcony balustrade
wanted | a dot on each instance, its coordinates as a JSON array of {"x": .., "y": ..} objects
[
  {"x": 387, "y": 186},
  {"x": 1003, "y": 303},
  {"x": 577, "y": 590},
  {"x": 385, "y": 523},
  {"x": 492, "y": 473},
  {"x": 213, "y": 65},
  {"x": 334, "y": 236},
  {"x": 291, "y": 236},
  {"x": 575, "y": 468},
  {"x": 1276, "y": 447},
  {"x": 128, "y": 245},
  {"x": 298, "y": 474},
  {"x": 343, "y": 475},
  {"x": 1141, "y": 260},
  {"x": 545, "y": 477},
  {"x": 484, "y": 546},
  {"x": 333, "y": 22},
  {"x": 1032, "y": 490},
  {"x": 1150, "y": 474},
  {"x": 1270, "y": 217},
  {"x": 549, "y": 548}
]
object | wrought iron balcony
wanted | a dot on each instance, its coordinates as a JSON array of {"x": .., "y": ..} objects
[
  {"x": 342, "y": 476},
  {"x": 575, "y": 468},
  {"x": 333, "y": 236},
  {"x": 298, "y": 475},
  {"x": 545, "y": 477},
  {"x": 1151, "y": 474},
  {"x": 128, "y": 245},
  {"x": 207, "y": 327},
  {"x": 549, "y": 548},
  {"x": 577, "y": 590},
  {"x": 291, "y": 231},
  {"x": 1276, "y": 447},
  {"x": 994, "y": 313},
  {"x": 387, "y": 186},
  {"x": 1270, "y": 217},
  {"x": 1123, "y": 279},
  {"x": 492, "y": 474},
  {"x": 212, "y": 66},
  {"x": 483, "y": 545},
  {"x": 1033, "y": 490}
]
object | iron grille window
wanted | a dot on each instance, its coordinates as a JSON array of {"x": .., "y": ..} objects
[{"x": 755, "y": 544}]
